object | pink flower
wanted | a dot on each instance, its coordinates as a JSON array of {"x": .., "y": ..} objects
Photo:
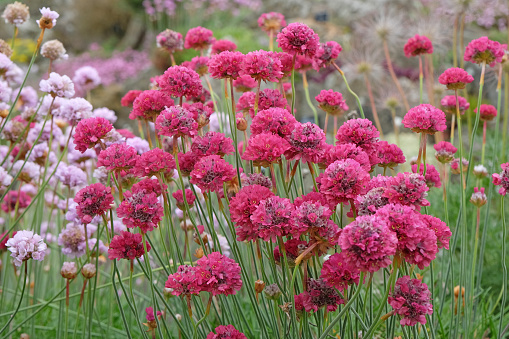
[
  {"x": 184, "y": 282},
  {"x": 298, "y": 38},
  {"x": 303, "y": 63},
  {"x": 445, "y": 152},
  {"x": 153, "y": 162},
  {"x": 407, "y": 189},
  {"x": 187, "y": 162},
  {"x": 357, "y": 131},
  {"x": 119, "y": 158},
  {"x": 343, "y": 152},
  {"x": 326, "y": 55},
  {"x": 307, "y": 142},
  {"x": 149, "y": 104},
  {"x": 141, "y": 207},
  {"x": 502, "y": 179},
  {"x": 150, "y": 314},
  {"x": 211, "y": 172},
  {"x": 89, "y": 133},
  {"x": 48, "y": 18},
  {"x": 425, "y": 118},
  {"x": 449, "y": 104},
  {"x": 455, "y": 165},
  {"x": 262, "y": 65},
  {"x": 342, "y": 181},
  {"x": 313, "y": 217},
  {"x": 478, "y": 198},
  {"x": 244, "y": 83},
  {"x": 199, "y": 38},
  {"x": 72, "y": 240},
  {"x": 442, "y": 231},
  {"x": 170, "y": 40},
  {"x": 226, "y": 332},
  {"x": 127, "y": 245},
  {"x": 212, "y": 143},
  {"x": 226, "y": 65},
  {"x": 268, "y": 98},
  {"x": 368, "y": 244},
  {"x": 273, "y": 218},
  {"x": 180, "y": 81},
  {"x": 93, "y": 200},
  {"x": 339, "y": 273},
  {"x": 25, "y": 245},
  {"x": 419, "y": 44},
  {"x": 176, "y": 121},
  {"x": 58, "y": 86},
  {"x": 179, "y": 196},
  {"x": 484, "y": 50},
  {"x": 370, "y": 202},
  {"x": 411, "y": 299},
  {"x": 271, "y": 22},
  {"x": 128, "y": 99},
  {"x": 69, "y": 270},
  {"x": 222, "y": 46},
  {"x": 331, "y": 102},
  {"x": 390, "y": 155},
  {"x": 432, "y": 176},
  {"x": 256, "y": 179},
  {"x": 13, "y": 198},
  {"x": 218, "y": 274},
  {"x": 318, "y": 294},
  {"x": 286, "y": 63},
  {"x": 201, "y": 113},
  {"x": 488, "y": 112},
  {"x": 273, "y": 120},
  {"x": 199, "y": 64},
  {"x": 242, "y": 207},
  {"x": 86, "y": 78},
  {"x": 265, "y": 148},
  {"x": 455, "y": 78}
]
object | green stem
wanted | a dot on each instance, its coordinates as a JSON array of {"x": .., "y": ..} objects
[
  {"x": 350, "y": 90},
  {"x": 20, "y": 300},
  {"x": 308, "y": 98},
  {"x": 504, "y": 270},
  {"x": 421, "y": 77}
]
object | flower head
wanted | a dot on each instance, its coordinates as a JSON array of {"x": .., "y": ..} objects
[
  {"x": 390, "y": 155},
  {"x": 155, "y": 161},
  {"x": 176, "y": 121},
  {"x": 407, "y": 189},
  {"x": 268, "y": 98},
  {"x": 86, "y": 78},
  {"x": 298, "y": 38},
  {"x": 211, "y": 172},
  {"x": 16, "y": 13},
  {"x": 74, "y": 110},
  {"x": 127, "y": 245},
  {"x": 183, "y": 282},
  {"x": 72, "y": 240},
  {"x": 445, "y": 151},
  {"x": 331, "y": 102},
  {"x": 271, "y": 22},
  {"x": 319, "y": 294},
  {"x": 15, "y": 198},
  {"x": 432, "y": 176},
  {"x": 199, "y": 38},
  {"x": 25, "y": 245},
  {"x": 89, "y": 133},
  {"x": 226, "y": 65},
  {"x": 484, "y": 50},
  {"x": 411, "y": 299},
  {"x": 488, "y": 112},
  {"x": 179, "y": 81},
  {"x": 93, "y": 200},
  {"x": 179, "y": 196},
  {"x": 212, "y": 143},
  {"x": 425, "y": 118},
  {"x": 480, "y": 171},
  {"x": 370, "y": 202},
  {"x": 219, "y": 46},
  {"x": 312, "y": 216},
  {"x": 339, "y": 273},
  {"x": 273, "y": 218},
  {"x": 58, "y": 86},
  {"x": 502, "y": 179},
  {"x": 149, "y": 104},
  {"x": 262, "y": 65},
  {"x": 326, "y": 54},
  {"x": 69, "y": 270},
  {"x": 455, "y": 165},
  {"x": 226, "y": 332},
  {"x": 417, "y": 45},
  {"x": 128, "y": 99},
  {"x": 307, "y": 143},
  {"x": 170, "y": 40},
  {"x": 448, "y": 103},
  {"x": 265, "y": 148},
  {"x": 273, "y": 120},
  {"x": 343, "y": 152},
  {"x": 218, "y": 274},
  {"x": 455, "y": 78},
  {"x": 442, "y": 231},
  {"x": 48, "y": 18},
  {"x": 119, "y": 158},
  {"x": 70, "y": 175},
  {"x": 244, "y": 83}
]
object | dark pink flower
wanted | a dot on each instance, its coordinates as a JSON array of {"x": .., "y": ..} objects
[
  {"x": 318, "y": 294},
  {"x": 150, "y": 314},
  {"x": 265, "y": 148},
  {"x": 445, "y": 152},
  {"x": 411, "y": 300},
  {"x": 212, "y": 143},
  {"x": 179, "y": 81},
  {"x": 226, "y": 65},
  {"x": 89, "y": 133},
  {"x": 119, "y": 158},
  {"x": 176, "y": 121},
  {"x": 186, "y": 162},
  {"x": 273, "y": 120},
  {"x": 357, "y": 131},
  {"x": 425, "y": 118},
  {"x": 307, "y": 142},
  {"x": 478, "y": 198},
  {"x": 484, "y": 50},
  {"x": 502, "y": 179},
  {"x": 455, "y": 78},
  {"x": 244, "y": 83},
  {"x": 326, "y": 55},
  {"x": 488, "y": 112},
  {"x": 201, "y": 113},
  {"x": 303, "y": 63},
  {"x": 407, "y": 189},
  {"x": 184, "y": 282},
  {"x": 149, "y": 104},
  {"x": 432, "y": 176},
  {"x": 256, "y": 179},
  {"x": 442, "y": 231},
  {"x": 211, "y": 172},
  {"x": 273, "y": 218},
  {"x": 126, "y": 245},
  {"x": 199, "y": 38},
  {"x": 343, "y": 152},
  {"x": 418, "y": 44},
  {"x": 378, "y": 181},
  {"x": 153, "y": 162},
  {"x": 368, "y": 244},
  {"x": 13, "y": 198},
  {"x": 298, "y": 38},
  {"x": 449, "y": 104},
  {"x": 199, "y": 64},
  {"x": 262, "y": 65},
  {"x": 93, "y": 200},
  {"x": 268, "y": 98},
  {"x": 170, "y": 40},
  {"x": 128, "y": 99},
  {"x": 179, "y": 196},
  {"x": 370, "y": 202},
  {"x": 219, "y": 46},
  {"x": 218, "y": 274},
  {"x": 390, "y": 155},
  {"x": 331, "y": 102},
  {"x": 286, "y": 63},
  {"x": 313, "y": 217},
  {"x": 226, "y": 332},
  {"x": 271, "y": 22},
  {"x": 339, "y": 273}
]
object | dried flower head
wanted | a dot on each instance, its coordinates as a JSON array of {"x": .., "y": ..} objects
[
  {"x": 16, "y": 13},
  {"x": 54, "y": 50}
]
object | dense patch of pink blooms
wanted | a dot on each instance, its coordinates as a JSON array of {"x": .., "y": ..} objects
[
  {"x": 180, "y": 81},
  {"x": 89, "y": 133},
  {"x": 226, "y": 65},
  {"x": 407, "y": 189},
  {"x": 502, "y": 179},
  {"x": 226, "y": 332},
  {"x": 211, "y": 172},
  {"x": 411, "y": 300}
]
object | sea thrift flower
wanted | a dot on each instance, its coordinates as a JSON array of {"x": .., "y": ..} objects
[
  {"x": 226, "y": 65},
  {"x": 478, "y": 198},
  {"x": 326, "y": 55},
  {"x": 244, "y": 83},
  {"x": 342, "y": 181},
  {"x": 339, "y": 273},
  {"x": 432, "y": 176},
  {"x": 74, "y": 110},
  {"x": 488, "y": 112},
  {"x": 13, "y": 198},
  {"x": 226, "y": 332},
  {"x": 127, "y": 245},
  {"x": 370, "y": 202},
  {"x": 313, "y": 217},
  {"x": 154, "y": 162},
  {"x": 256, "y": 179},
  {"x": 200, "y": 64},
  {"x": 331, "y": 102},
  {"x": 449, "y": 104},
  {"x": 170, "y": 40},
  {"x": 128, "y": 99},
  {"x": 480, "y": 171},
  {"x": 390, "y": 155},
  {"x": 29, "y": 173},
  {"x": 86, "y": 78},
  {"x": 455, "y": 78},
  {"x": 70, "y": 175},
  {"x": 72, "y": 240},
  {"x": 411, "y": 300},
  {"x": 368, "y": 244},
  {"x": 69, "y": 270},
  {"x": 360, "y": 132},
  {"x": 109, "y": 115},
  {"x": 58, "y": 86},
  {"x": 445, "y": 152},
  {"x": 218, "y": 274},
  {"x": 211, "y": 172},
  {"x": 271, "y": 22},
  {"x": 484, "y": 50},
  {"x": 442, "y": 231},
  {"x": 149, "y": 105},
  {"x": 25, "y": 245},
  {"x": 212, "y": 143},
  {"x": 179, "y": 81},
  {"x": 307, "y": 143},
  {"x": 455, "y": 165},
  {"x": 48, "y": 18},
  {"x": 199, "y": 38},
  {"x": 502, "y": 179},
  {"x": 273, "y": 120},
  {"x": 16, "y": 13},
  {"x": 425, "y": 118},
  {"x": 286, "y": 63},
  {"x": 343, "y": 152},
  {"x": 417, "y": 45},
  {"x": 298, "y": 38},
  {"x": 89, "y": 133},
  {"x": 273, "y": 218},
  {"x": 242, "y": 207},
  {"x": 265, "y": 148},
  {"x": 176, "y": 121},
  {"x": 5, "y": 180},
  {"x": 183, "y": 282},
  {"x": 93, "y": 200},
  {"x": 407, "y": 189},
  {"x": 268, "y": 98},
  {"x": 222, "y": 46},
  {"x": 179, "y": 196},
  {"x": 262, "y": 65},
  {"x": 318, "y": 294},
  {"x": 119, "y": 158}
]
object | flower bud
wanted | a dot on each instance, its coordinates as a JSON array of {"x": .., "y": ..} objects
[
  {"x": 478, "y": 197},
  {"x": 69, "y": 270},
  {"x": 167, "y": 292},
  {"x": 199, "y": 253},
  {"x": 88, "y": 271},
  {"x": 273, "y": 292},
  {"x": 259, "y": 286},
  {"x": 241, "y": 122},
  {"x": 480, "y": 171}
]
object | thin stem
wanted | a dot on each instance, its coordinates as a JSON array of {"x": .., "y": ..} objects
[
  {"x": 350, "y": 90},
  {"x": 421, "y": 77},
  {"x": 393, "y": 75},
  {"x": 20, "y": 299},
  {"x": 308, "y": 98},
  {"x": 373, "y": 106},
  {"x": 504, "y": 270}
]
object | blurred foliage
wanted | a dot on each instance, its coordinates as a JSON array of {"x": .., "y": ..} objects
[{"x": 23, "y": 50}]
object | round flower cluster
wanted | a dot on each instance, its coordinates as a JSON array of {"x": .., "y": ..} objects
[
  {"x": 298, "y": 38},
  {"x": 343, "y": 152},
  {"x": 226, "y": 332},
  {"x": 273, "y": 218},
  {"x": 119, "y": 158},
  {"x": 390, "y": 155},
  {"x": 432, "y": 176},
  {"x": 58, "y": 86},
  {"x": 331, "y": 102},
  {"x": 449, "y": 104},
  {"x": 212, "y": 143},
  {"x": 92, "y": 201},
  {"x": 176, "y": 121},
  {"x": 226, "y": 65},
  {"x": 262, "y": 65},
  {"x": 417, "y": 45},
  {"x": 488, "y": 112},
  {"x": 265, "y": 149},
  {"x": 170, "y": 40},
  {"x": 326, "y": 55},
  {"x": 127, "y": 245},
  {"x": 445, "y": 152},
  {"x": 89, "y": 133},
  {"x": 180, "y": 81},
  {"x": 338, "y": 272},
  {"x": 154, "y": 162},
  {"x": 317, "y": 295},
  {"x": 271, "y": 22},
  {"x": 222, "y": 46},
  {"x": 407, "y": 189},
  {"x": 425, "y": 118},
  {"x": 455, "y": 78},
  {"x": 411, "y": 300},
  {"x": 147, "y": 105},
  {"x": 211, "y": 172},
  {"x": 199, "y": 38},
  {"x": 25, "y": 245},
  {"x": 307, "y": 143},
  {"x": 362, "y": 133},
  {"x": 273, "y": 120},
  {"x": 484, "y": 50}
]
